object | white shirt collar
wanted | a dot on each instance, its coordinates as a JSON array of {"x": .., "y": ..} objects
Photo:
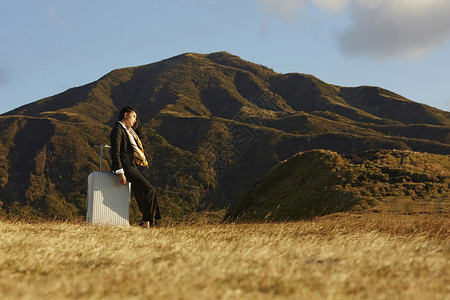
[
  {"x": 130, "y": 134},
  {"x": 123, "y": 125}
]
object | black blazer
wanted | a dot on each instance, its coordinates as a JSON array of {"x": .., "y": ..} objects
[{"x": 121, "y": 149}]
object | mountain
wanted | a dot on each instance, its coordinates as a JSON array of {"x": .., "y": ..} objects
[
  {"x": 319, "y": 182},
  {"x": 213, "y": 124}
]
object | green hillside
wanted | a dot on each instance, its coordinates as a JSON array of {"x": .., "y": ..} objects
[
  {"x": 320, "y": 182},
  {"x": 213, "y": 124}
]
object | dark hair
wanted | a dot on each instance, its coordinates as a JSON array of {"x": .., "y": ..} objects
[
  {"x": 126, "y": 109},
  {"x": 136, "y": 126}
]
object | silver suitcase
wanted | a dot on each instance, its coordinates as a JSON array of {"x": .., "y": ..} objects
[{"x": 108, "y": 201}]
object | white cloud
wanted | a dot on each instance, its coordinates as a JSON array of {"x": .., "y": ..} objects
[
  {"x": 64, "y": 13},
  {"x": 286, "y": 9},
  {"x": 402, "y": 28},
  {"x": 55, "y": 16},
  {"x": 379, "y": 28},
  {"x": 331, "y": 5}
]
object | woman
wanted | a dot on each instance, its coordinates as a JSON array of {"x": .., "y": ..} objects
[{"x": 126, "y": 153}]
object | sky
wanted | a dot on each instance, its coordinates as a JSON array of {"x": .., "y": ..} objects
[{"x": 49, "y": 46}]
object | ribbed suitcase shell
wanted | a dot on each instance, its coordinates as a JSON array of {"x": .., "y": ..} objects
[{"x": 108, "y": 201}]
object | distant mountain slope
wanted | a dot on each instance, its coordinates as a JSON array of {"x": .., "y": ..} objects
[
  {"x": 212, "y": 123},
  {"x": 319, "y": 182}
]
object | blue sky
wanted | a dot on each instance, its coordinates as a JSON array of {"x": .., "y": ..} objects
[{"x": 49, "y": 46}]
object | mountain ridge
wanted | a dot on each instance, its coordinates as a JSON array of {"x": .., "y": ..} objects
[
  {"x": 214, "y": 120},
  {"x": 303, "y": 83}
]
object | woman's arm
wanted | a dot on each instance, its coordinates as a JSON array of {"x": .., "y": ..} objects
[{"x": 115, "y": 138}]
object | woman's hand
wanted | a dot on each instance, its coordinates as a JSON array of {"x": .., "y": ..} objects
[{"x": 122, "y": 179}]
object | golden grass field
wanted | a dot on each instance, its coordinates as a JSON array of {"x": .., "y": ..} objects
[{"x": 342, "y": 256}]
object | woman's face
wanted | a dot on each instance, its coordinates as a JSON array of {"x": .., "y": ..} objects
[{"x": 129, "y": 119}]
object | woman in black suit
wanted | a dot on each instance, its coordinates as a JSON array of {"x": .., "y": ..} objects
[{"x": 126, "y": 153}]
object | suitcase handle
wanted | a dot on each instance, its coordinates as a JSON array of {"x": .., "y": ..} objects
[{"x": 101, "y": 154}]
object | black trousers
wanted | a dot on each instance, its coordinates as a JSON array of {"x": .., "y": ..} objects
[{"x": 145, "y": 195}]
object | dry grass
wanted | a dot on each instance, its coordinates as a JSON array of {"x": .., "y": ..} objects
[{"x": 336, "y": 257}]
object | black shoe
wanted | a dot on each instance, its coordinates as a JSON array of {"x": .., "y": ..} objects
[{"x": 144, "y": 224}]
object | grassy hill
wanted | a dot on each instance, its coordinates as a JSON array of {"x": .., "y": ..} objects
[
  {"x": 320, "y": 182},
  {"x": 213, "y": 124}
]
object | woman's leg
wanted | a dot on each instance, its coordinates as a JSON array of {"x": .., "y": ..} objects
[{"x": 145, "y": 195}]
